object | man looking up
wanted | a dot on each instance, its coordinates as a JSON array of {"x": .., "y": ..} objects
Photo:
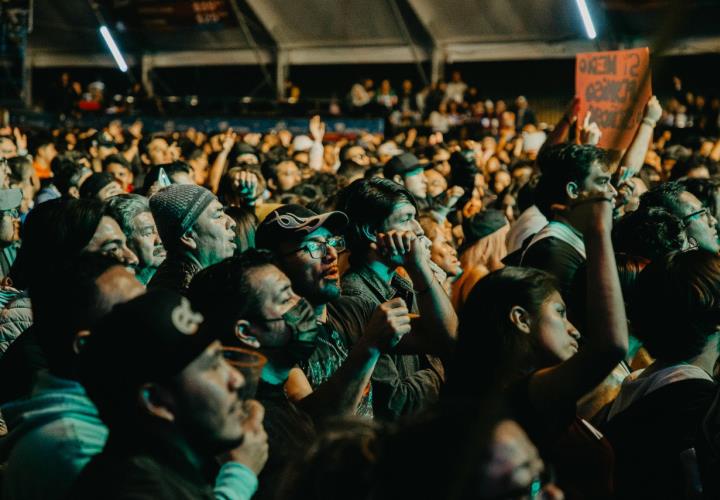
[
  {"x": 195, "y": 231},
  {"x": 305, "y": 246},
  {"x": 249, "y": 302},
  {"x": 383, "y": 236},
  {"x": 700, "y": 224},
  {"x": 569, "y": 171},
  {"x": 169, "y": 417},
  {"x": 132, "y": 213}
]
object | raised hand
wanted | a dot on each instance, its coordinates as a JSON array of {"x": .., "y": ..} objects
[{"x": 388, "y": 324}]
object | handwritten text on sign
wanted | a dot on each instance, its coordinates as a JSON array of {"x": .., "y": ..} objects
[{"x": 614, "y": 87}]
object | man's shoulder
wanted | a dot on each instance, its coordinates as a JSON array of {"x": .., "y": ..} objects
[
  {"x": 552, "y": 248},
  {"x": 348, "y": 314}
]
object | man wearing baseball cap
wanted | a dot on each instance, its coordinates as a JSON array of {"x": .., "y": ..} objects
[
  {"x": 305, "y": 246},
  {"x": 10, "y": 200},
  {"x": 173, "y": 412},
  {"x": 195, "y": 231}
]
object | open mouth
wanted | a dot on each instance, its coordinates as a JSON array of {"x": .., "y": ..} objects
[{"x": 331, "y": 274}]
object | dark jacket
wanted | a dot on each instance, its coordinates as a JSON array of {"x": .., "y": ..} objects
[
  {"x": 175, "y": 273},
  {"x": 157, "y": 463},
  {"x": 402, "y": 384}
]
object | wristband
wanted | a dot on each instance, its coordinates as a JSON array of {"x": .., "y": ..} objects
[{"x": 648, "y": 121}]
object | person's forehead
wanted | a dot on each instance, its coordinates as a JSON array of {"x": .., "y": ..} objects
[
  {"x": 144, "y": 219},
  {"x": 268, "y": 281},
  {"x": 690, "y": 200},
  {"x": 108, "y": 228},
  {"x": 158, "y": 143},
  {"x": 320, "y": 234},
  {"x": 117, "y": 166},
  {"x": 403, "y": 208},
  {"x": 287, "y": 165}
]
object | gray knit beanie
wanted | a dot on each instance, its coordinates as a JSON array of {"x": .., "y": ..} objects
[{"x": 176, "y": 208}]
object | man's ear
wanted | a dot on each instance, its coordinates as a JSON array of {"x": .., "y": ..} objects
[
  {"x": 367, "y": 232},
  {"x": 79, "y": 340},
  {"x": 188, "y": 239},
  {"x": 271, "y": 184},
  {"x": 242, "y": 333},
  {"x": 572, "y": 190},
  {"x": 399, "y": 179},
  {"x": 157, "y": 402},
  {"x": 74, "y": 192},
  {"x": 520, "y": 318}
]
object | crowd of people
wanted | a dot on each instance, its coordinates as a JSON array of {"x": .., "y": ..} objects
[{"x": 205, "y": 314}]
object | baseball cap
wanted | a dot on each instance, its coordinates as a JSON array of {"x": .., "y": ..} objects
[
  {"x": 10, "y": 198},
  {"x": 156, "y": 334},
  {"x": 402, "y": 164},
  {"x": 293, "y": 223}
]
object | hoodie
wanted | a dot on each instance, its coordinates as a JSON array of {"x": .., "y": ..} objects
[{"x": 53, "y": 434}]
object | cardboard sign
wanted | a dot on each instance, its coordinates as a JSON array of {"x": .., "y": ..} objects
[{"x": 614, "y": 87}]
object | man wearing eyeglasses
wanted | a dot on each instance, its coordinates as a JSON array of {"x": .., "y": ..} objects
[
  {"x": 10, "y": 200},
  {"x": 700, "y": 224},
  {"x": 306, "y": 247}
]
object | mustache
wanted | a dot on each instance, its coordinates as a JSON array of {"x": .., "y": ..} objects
[{"x": 159, "y": 249}]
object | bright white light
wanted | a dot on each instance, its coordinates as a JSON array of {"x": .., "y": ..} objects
[
  {"x": 587, "y": 20},
  {"x": 113, "y": 49}
]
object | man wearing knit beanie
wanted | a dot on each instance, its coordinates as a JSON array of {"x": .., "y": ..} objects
[{"x": 195, "y": 231}]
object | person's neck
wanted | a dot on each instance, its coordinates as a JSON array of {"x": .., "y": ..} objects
[
  {"x": 193, "y": 257},
  {"x": 384, "y": 272},
  {"x": 321, "y": 313},
  {"x": 707, "y": 358},
  {"x": 145, "y": 274},
  {"x": 274, "y": 374},
  {"x": 560, "y": 218}
]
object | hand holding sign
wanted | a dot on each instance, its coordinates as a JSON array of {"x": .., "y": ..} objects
[
  {"x": 590, "y": 133},
  {"x": 614, "y": 86}
]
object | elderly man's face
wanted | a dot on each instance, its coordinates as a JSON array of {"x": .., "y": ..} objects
[
  {"x": 145, "y": 241},
  {"x": 213, "y": 235}
]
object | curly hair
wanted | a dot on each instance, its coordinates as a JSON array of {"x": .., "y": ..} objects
[{"x": 649, "y": 232}]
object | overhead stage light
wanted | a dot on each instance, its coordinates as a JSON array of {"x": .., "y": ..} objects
[
  {"x": 117, "y": 55},
  {"x": 587, "y": 20}
]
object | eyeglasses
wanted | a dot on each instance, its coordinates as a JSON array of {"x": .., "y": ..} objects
[
  {"x": 703, "y": 212},
  {"x": 319, "y": 249}
]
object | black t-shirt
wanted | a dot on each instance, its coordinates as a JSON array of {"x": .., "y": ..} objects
[
  {"x": 346, "y": 321},
  {"x": 650, "y": 434},
  {"x": 290, "y": 433},
  {"x": 557, "y": 258}
]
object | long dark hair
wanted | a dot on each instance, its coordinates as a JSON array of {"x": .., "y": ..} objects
[{"x": 491, "y": 351}]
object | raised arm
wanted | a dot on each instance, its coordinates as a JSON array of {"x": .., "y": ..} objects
[
  {"x": 635, "y": 156},
  {"x": 218, "y": 167},
  {"x": 607, "y": 337},
  {"x": 435, "y": 331}
]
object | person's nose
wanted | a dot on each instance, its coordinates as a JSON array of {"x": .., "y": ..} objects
[
  {"x": 572, "y": 331},
  {"x": 129, "y": 257}
]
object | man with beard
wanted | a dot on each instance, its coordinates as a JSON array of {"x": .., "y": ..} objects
[
  {"x": 249, "y": 302},
  {"x": 175, "y": 415},
  {"x": 305, "y": 247},
  {"x": 133, "y": 213},
  {"x": 195, "y": 231}
]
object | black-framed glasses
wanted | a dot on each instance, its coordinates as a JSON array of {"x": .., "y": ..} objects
[
  {"x": 703, "y": 212},
  {"x": 318, "y": 249}
]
